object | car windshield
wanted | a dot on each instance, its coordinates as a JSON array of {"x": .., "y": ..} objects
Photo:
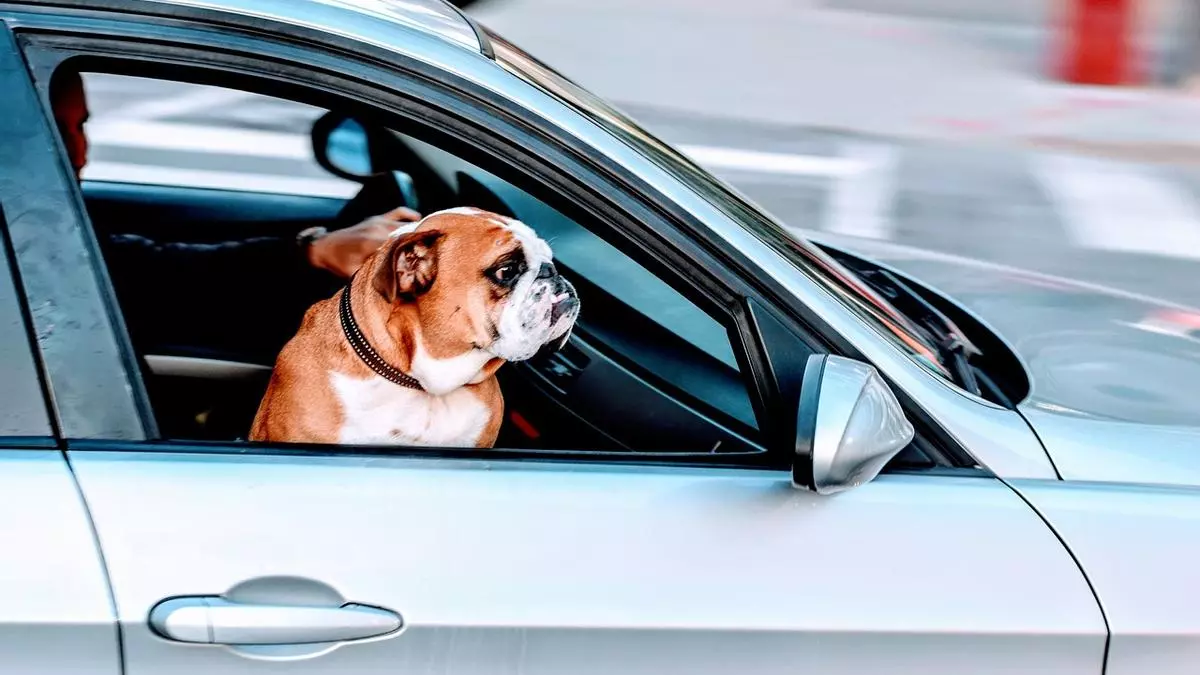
[{"x": 807, "y": 257}]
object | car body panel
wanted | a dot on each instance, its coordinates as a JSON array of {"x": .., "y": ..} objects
[
  {"x": 1114, "y": 375},
  {"x": 56, "y": 614},
  {"x": 1119, "y": 452},
  {"x": 1138, "y": 546},
  {"x": 379, "y": 22},
  {"x": 517, "y": 566},
  {"x": 346, "y": 17}
]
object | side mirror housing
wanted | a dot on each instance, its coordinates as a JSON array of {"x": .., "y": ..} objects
[
  {"x": 342, "y": 146},
  {"x": 848, "y": 427}
]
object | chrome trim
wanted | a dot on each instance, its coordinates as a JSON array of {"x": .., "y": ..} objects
[
  {"x": 201, "y": 368},
  {"x": 216, "y": 620},
  {"x": 355, "y": 19},
  {"x": 859, "y": 425}
]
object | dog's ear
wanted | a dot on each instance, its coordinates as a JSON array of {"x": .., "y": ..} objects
[{"x": 410, "y": 265}]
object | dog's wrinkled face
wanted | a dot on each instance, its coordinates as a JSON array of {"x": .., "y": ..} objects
[{"x": 478, "y": 281}]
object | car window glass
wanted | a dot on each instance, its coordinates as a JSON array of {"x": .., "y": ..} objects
[
  {"x": 592, "y": 258},
  {"x": 151, "y": 131},
  {"x": 595, "y": 261}
]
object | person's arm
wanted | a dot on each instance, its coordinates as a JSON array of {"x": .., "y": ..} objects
[
  {"x": 173, "y": 291},
  {"x": 277, "y": 258},
  {"x": 138, "y": 254}
]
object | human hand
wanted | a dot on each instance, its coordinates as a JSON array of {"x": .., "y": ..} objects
[{"x": 342, "y": 252}]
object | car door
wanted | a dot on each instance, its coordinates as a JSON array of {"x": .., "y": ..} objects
[
  {"x": 56, "y": 614},
  {"x": 1136, "y": 542},
  {"x": 238, "y": 558}
]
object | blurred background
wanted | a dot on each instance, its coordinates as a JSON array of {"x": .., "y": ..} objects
[{"x": 1058, "y": 136}]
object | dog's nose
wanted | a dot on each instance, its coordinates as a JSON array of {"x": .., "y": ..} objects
[{"x": 547, "y": 271}]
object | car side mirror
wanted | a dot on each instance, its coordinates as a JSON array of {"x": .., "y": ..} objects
[
  {"x": 341, "y": 145},
  {"x": 848, "y": 427}
]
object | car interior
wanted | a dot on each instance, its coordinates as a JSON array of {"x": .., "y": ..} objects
[{"x": 646, "y": 369}]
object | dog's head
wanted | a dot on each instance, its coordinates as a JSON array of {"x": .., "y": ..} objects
[{"x": 478, "y": 280}]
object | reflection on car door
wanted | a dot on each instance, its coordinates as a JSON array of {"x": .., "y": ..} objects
[
  {"x": 511, "y": 566},
  {"x": 55, "y": 612}
]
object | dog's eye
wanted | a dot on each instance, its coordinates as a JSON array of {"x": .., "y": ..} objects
[{"x": 507, "y": 274}]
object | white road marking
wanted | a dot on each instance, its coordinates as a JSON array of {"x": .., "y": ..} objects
[
  {"x": 146, "y": 174},
  {"x": 200, "y": 139},
  {"x": 113, "y": 131},
  {"x": 124, "y": 132},
  {"x": 197, "y": 98},
  {"x": 1119, "y": 206},
  {"x": 771, "y": 162},
  {"x": 860, "y": 203}
]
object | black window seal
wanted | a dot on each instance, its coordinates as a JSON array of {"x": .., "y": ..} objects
[{"x": 751, "y": 461}]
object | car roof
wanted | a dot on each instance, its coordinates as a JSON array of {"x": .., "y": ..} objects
[{"x": 355, "y": 19}]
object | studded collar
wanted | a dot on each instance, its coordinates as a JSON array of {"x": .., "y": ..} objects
[{"x": 362, "y": 347}]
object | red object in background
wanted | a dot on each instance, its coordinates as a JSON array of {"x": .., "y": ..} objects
[
  {"x": 1098, "y": 42},
  {"x": 523, "y": 425}
]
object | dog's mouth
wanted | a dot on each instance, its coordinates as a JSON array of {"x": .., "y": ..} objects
[
  {"x": 564, "y": 310},
  {"x": 564, "y": 304},
  {"x": 540, "y": 320}
]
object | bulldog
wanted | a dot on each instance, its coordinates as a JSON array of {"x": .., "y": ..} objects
[{"x": 406, "y": 353}]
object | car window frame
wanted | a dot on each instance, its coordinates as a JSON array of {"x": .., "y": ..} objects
[
  {"x": 46, "y": 47},
  {"x": 61, "y": 301},
  {"x": 25, "y": 421}
]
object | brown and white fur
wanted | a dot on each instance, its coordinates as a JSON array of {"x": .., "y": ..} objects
[{"x": 447, "y": 301}]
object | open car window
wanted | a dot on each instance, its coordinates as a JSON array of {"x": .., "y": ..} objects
[
  {"x": 158, "y": 132},
  {"x": 647, "y": 369},
  {"x": 625, "y": 294},
  {"x": 589, "y": 257}
]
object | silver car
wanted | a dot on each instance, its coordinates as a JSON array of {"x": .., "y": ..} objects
[{"x": 757, "y": 455}]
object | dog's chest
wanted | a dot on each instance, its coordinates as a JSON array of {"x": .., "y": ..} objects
[{"x": 375, "y": 411}]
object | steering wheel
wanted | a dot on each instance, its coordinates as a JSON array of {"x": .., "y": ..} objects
[
  {"x": 342, "y": 146},
  {"x": 379, "y": 194}
]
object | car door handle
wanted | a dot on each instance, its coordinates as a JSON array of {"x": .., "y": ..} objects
[{"x": 215, "y": 620}]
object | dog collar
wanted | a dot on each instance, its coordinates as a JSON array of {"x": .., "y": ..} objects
[{"x": 366, "y": 352}]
